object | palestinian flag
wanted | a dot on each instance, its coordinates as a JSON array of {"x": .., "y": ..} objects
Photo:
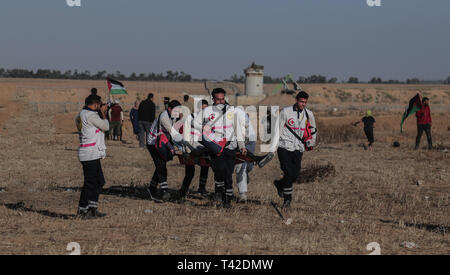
[
  {"x": 115, "y": 87},
  {"x": 415, "y": 104}
]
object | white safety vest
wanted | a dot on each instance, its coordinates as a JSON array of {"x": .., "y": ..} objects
[
  {"x": 92, "y": 140},
  {"x": 290, "y": 117}
]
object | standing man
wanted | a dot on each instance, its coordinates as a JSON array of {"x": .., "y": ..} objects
[
  {"x": 116, "y": 118},
  {"x": 160, "y": 175},
  {"x": 424, "y": 123},
  {"x": 295, "y": 136},
  {"x": 219, "y": 120},
  {"x": 92, "y": 149},
  {"x": 146, "y": 114}
]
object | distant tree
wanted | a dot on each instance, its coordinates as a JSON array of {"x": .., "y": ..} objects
[
  {"x": 333, "y": 80},
  {"x": 376, "y": 80},
  {"x": 353, "y": 79},
  {"x": 414, "y": 80}
]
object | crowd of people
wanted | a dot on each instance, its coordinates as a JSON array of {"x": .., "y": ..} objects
[{"x": 210, "y": 138}]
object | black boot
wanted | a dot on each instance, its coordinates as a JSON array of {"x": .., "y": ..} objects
[
  {"x": 182, "y": 192},
  {"x": 219, "y": 194},
  {"x": 277, "y": 184},
  {"x": 202, "y": 190},
  {"x": 226, "y": 202},
  {"x": 286, "y": 204},
  {"x": 165, "y": 195},
  {"x": 151, "y": 190},
  {"x": 93, "y": 211}
]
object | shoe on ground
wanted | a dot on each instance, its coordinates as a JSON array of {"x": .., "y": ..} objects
[
  {"x": 165, "y": 195},
  {"x": 95, "y": 213},
  {"x": 202, "y": 191},
  {"x": 242, "y": 198},
  {"x": 277, "y": 184},
  {"x": 218, "y": 196},
  {"x": 287, "y": 204},
  {"x": 152, "y": 194}
]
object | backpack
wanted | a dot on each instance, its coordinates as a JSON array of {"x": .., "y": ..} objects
[{"x": 163, "y": 145}]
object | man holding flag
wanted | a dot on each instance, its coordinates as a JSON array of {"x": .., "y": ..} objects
[{"x": 421, "y": 108}]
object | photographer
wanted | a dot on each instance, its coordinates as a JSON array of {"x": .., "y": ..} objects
[{"x": 92, "y": 149}]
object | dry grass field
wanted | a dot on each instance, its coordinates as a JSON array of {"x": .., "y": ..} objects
[{"x": 346, "y": 199}]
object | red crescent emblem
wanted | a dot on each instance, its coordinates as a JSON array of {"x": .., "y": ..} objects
[
  {"x": 211, "y": 117},
  {"x": 291, "y": 122}
]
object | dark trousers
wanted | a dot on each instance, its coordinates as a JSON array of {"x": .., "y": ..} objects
[
  {"x": 290, "y": 163},
  {"x": 144, "y": 128},
  {"x": 189, "y": 175},
  {"x": 420, "y": 129},
  {"x": 369, "y": 135},
  {"x": 223, "y": 167},
  {"x": 160, "y": 174},
  {"x": 93, "y": 184},
  {"x": 116, "y": 129}
]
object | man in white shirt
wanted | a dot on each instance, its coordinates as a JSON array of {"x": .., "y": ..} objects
[{"x": 93, "y": 123}]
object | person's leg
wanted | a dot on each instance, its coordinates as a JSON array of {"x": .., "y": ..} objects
[
  {"x": 120, "y": 131},
  {"x": 203, "y": 179},
  {"x": 283, "y": 157},
  {"x": 142, "y": 134},
  {"x": 188, "y": 176},
  {"x": 90, "y": 187},
  {"x": 241, "y": 177},
  {"x": 369, "y": 135},
  {"x": 427, "y": 129},
  {"x": 218, "y": 166},
  {"x": 294, "y": 172},
  {"x": 229, "y": 158},
  {"x": 419, "y": 135},
  {"x": 152, "y": 188}
]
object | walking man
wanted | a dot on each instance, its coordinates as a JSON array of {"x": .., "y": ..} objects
[
  {"x": 219, "y": 120},
  {"x": 295, "y": 136},
  {"x": 165, "y": 125},
  {"x": 92, "y": 149},
  {"x": 424, "y": 123},
  {"x": 146, "y": 114}
]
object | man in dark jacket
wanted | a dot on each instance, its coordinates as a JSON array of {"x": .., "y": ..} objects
[
  {"x": 424, "y": 123},
  {"x": 146, "y": 114}
]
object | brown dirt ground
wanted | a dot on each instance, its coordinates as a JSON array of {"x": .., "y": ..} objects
[{"x": 371, "y": 197}]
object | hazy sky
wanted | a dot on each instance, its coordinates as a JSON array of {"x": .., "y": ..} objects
[{"x": 215, "y": 39}]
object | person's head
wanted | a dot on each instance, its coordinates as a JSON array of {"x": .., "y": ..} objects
[
  {"x": 204, "y": 103},
  {"x": 425, "y": 101},
  {"x": 136, "y": 104},
  {"x": 172, "y": 104},
  {"x": 302, "y": 100},
  {"x": 94, "y": 91},
  {"x": 186, "y": 98},
  {"x": 218, "y": 95},
  {"x": 93, "y": 102},
  {"x": 369, "y": 113},
  {"x": 117, "y": 101},
  {"x": 150, "y": 96}
]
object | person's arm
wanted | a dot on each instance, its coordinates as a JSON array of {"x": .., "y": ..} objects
[
  {"x": 109, "y": 113},
  {"x": 277, "y": 128},
  {"x": 312, "y": 120},
  {"x": 121, "y": 116},
  {"x": 239, "y": 129},
  {"x": 102, "y": 124},
  {"x": 78, "y": 122}
]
